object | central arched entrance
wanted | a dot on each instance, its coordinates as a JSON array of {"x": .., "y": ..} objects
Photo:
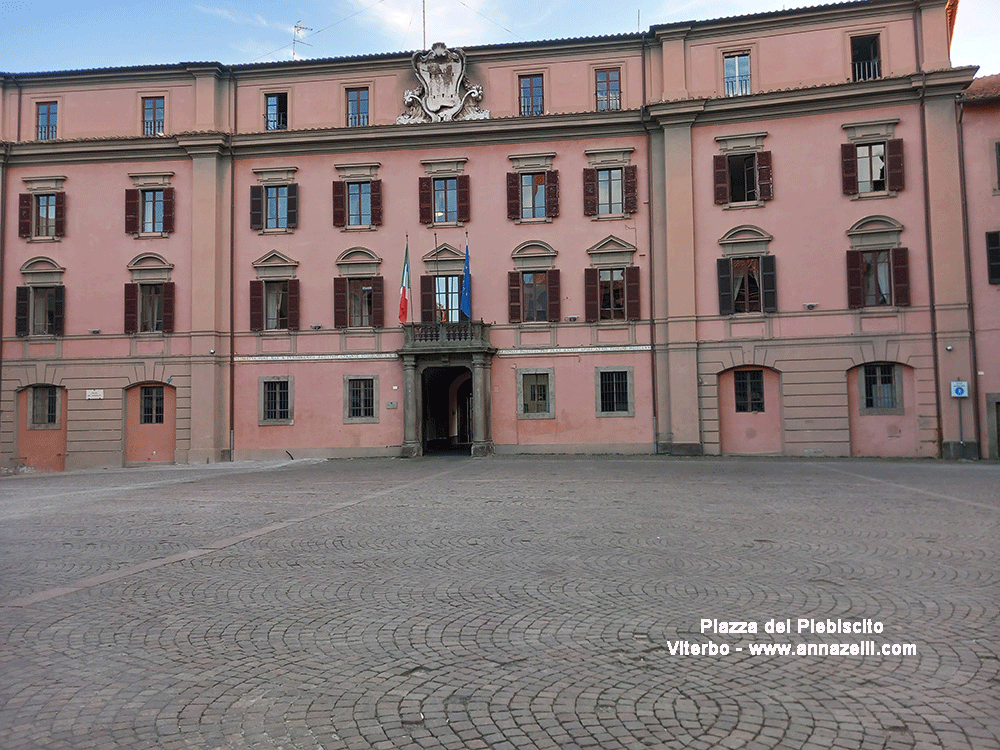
[{"x": 447, "y": 409}]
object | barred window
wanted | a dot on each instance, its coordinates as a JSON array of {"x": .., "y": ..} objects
[
  {"x": 749, "y": 390},
  {"x": 276, "y": 401},
  {"x": 880, "y": 387},
  {"x": 44, "y": 405},
  {"x": 614, "y": 391},
  {"x": 151, "y": 397},
  {"x": 362, "y": 397}
]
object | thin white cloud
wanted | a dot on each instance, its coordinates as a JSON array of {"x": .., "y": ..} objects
[
  {"x": 458, "y": 24},
  {"x": 252, "y": 19}
]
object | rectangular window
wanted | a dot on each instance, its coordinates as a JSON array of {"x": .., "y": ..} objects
[
  {"x": 45, "y": 216},
  {"x": 609, "y": 89},
  {"x": 742, "y": 178},
  {"x": 447, "y": 297},
  {"x": 150, "y": 307},
  {"x": 609, "y": 192},
  {"x": 614, "y": 391},
  {"x": 275, "y": 305},
  {"x": 361, "y": 398},
  {"x": 357, "y": 107},
  {"x": 276, "y": 401},
  {"x": 531, "y": 95},
  {"x": 880, "y": 386},
  {"x": 47, "y": 121},
  {"x": 865, "y": 62},
  {"x": 276, "y": 111},
  {"x": 534, "y": 296},
  {"x": 535, "y": 392},
  {"x": 445, "y": 199},
  {"x": 746, "y": 285},
  {"x": 151, "y": 397},
  {"x": 44, "y": 405},
  {"x": 612, "y": 293},
  {"x": 993, "y": 257},
  {"x": 871, "y": 167},
  {"x": 152, "y": 211},
  {"x": 749, "y": 385},
  {"x": 359, "y": 204},
  {"x": 533, "y": 196},
  {"x": 152, "y": 115},
  {"x": 360, "y": 300},
  {"x": 737, "y": 73},
  {"x": 996, "y": 147},
  {"x": 876, "y": 277},
  {"x": 276, "y": 197},
  {"x": 44, "y": 309}
]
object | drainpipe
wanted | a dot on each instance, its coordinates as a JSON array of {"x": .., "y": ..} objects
[
  {"x": 3, "y": 252},
  {"x": 652, "y": 265},
  {"x": 967, "y": 247},
  {"x": 232, "y": 273}
]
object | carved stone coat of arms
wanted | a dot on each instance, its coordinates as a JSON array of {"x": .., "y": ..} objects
[{"x": 444, "y": 92}]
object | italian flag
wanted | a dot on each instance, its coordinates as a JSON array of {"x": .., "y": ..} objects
[{"x": 404, "y": 286}]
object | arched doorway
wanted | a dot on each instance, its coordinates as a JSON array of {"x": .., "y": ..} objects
[
  {"x": 41, "y": 427},
  {"x": 150, "y": 423},
  {"x": 750, "y": 411},
  {"x": 447, "y": 409}
]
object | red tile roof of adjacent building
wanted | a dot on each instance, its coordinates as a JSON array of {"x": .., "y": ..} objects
[{"x": 987, "y": 87}]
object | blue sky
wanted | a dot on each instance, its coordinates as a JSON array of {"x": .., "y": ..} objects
[{"x": 38, "y": 35}]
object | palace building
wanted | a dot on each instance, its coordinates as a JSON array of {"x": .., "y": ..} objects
[{"x": 739, "y": 236}]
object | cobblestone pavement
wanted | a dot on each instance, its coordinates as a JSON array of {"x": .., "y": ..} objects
[{"x": 498, "y": 603}]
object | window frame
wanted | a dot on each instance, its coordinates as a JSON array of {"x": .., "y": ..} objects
[
  {"x": 534, "y": 104},
  {"x": 263, "y": 382},
  {"x": 895, "y": 373},
  {"x": 276, "y": 304},
  {"x": 767, "y": 293},
  {"x": 276, "y": 207},
  {"x": 44, "y": 227},
  {"x": 870, "y": 69},
  {"x": 360, "y": 301},
  {"x": 610, "y": 100},
  {"x": 898, "y": 277},
  {"x": 445, "y": 188},
  {"x": 51, "y": 126},
  {"x": 149, "y": 200},
  {"x": 357, "y": 219},
  {"x": 279, "y": 119},
  {"x": 357, "y": 119},
  {"x": 550, "y": 407},
  {"x": 349, "y": 383},
  {"x": 630, "y": 390},
  {"x": 993, "y": 257},
  {"x": 53, "y": 407},
  {"x": 744, "y": 400},
  {"x": 737, "y": 84},
  {"x": 151, "y": 404},
  {"x": 50, "y": 299},
  {"x": 150, "y": 310},
  {"x": 606, "y": 181},
  {"x": 533, "y": 187},
  {"x": 151, "y": 126}
]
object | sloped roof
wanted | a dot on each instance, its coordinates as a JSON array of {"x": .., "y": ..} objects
[{"x": 987, "y": 87}]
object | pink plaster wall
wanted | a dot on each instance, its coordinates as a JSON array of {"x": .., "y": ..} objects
[
  {"x": 750, "y": 432},
  {"x": 42, "y": 450},
  {"x": 892, "y": 435},
  {"x": 150, "y": 443}
]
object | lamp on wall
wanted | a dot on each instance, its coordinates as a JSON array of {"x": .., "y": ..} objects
[
  {"x": 810, "y": 305},
  {"x": 316, "y": 326}
]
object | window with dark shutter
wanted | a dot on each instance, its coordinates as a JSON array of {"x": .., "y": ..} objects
[
  {"x": 632, "y": 293},
  {"x": 340, "y": 204},
  {"x": 426, "y": 200},
  {"x": 293, "y": 206},
  {"x": 24, "y": 206},
  {"x": 900, "y": 260},
  {"x": 168, "y": 210},
  {"x": 514, "y": 296},
  {"x": 894, "y": 164},
  {"x": 724, "y": 268},
  {"x": 720, "y": 171},
  {"x": 340, "y": 302},
  {"x": 169, "y": 297},
  {"x": 513, "y": 196},
  {"x": 592, "y": 294},
  {"x": 552, "y": 193},
  {"x": 855, "y": 280},
  {"x": 256, "y": 305},
  {"x": 378, "y": 302},
  {"x": 769, "y": 283},
  {"x": 22, "y": 308},
  {"x": 464, "y": 199},
  {"x": 590, "y": 192},
  {"x": 765, "y": 178},
  {"x": 59, "y": 312},
  {"x": 630, "y": 180},
  {"x": 376, "y": 201},
  {"x": 131, "y": 214},
  {"x": 993, "y": 257},
  {"x": 849, "y": 168},
  {"x": 293, "y": 304},
  {"x": 256, "y": 206},
  {"x": 427, "y": 299},
  {"x": 131, "y": 308},
  {"x": 555, "y": 296},
  {"x": 60, "y": 215}
]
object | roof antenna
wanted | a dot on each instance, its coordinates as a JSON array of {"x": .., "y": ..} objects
[{"x": 299, "y": 28}]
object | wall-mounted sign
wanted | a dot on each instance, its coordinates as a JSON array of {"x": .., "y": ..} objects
[
  {"x": 95, "y": 394},
  {"x": 959, "y": 389}
]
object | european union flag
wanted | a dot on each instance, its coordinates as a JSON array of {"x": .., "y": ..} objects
[{"x": 465, "y": 305}]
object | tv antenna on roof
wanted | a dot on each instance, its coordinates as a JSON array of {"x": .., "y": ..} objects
[{"x": 299, "y": 28}]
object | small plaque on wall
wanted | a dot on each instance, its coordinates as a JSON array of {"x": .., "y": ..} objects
[{"x": 95, "y": 394}]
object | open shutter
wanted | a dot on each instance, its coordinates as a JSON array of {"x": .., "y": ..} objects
[
  {"x": 552, "y": 193},
  {"x": 720, "y": 172},
  {"x": 60, "y": 214},
  {"x": 427, "y": 299},
  {"x": 765, "y": 178},
  {"x": 590, "y": 192},
  {"x": 555, "y": 296},
  {"x": 426, "y": 199},
  {"x": 59, "y": 313},
  {"x": 168, "y": 210},
  {"x": 900, "y": 259},
  {"x": 256, "y": 206},
  {"x": 131, "y": 308},
  {"x": 591, "y": 295},
  {"x": 514, "y": 296},
  {"x": 169, "y": 297},
  {"x": 849, "y": 168},
  {"x": 24, "y": 204},
  {"x": 376, "y": 198},
  {"x": 855, "y": 280},
  {"x": 378, "y": 302},
  {"x": 256, "y": 305},
  {"x": 724, "y": 267},
  {"x": 513, "y": 195},
  {"x": 630, "y": 185},
  {"x": 993, "y": 256},
  {"x": 632, "y": 293},
  {"x": 769, "y": 283},
  {"x": 293, "y": 304},
  {"x": 22, "y": 306},
  {"x": 131, "y": 213},
  {"x": 340, "y": 204},
  {"x": 293, "y": 206},
  {"x": 894, "y": 164},
  {"x": 464, "y": 198},
  {"x": 340, "y": 302}
]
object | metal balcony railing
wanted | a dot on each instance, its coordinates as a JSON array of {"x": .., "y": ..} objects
[
  {"x": 867, "y": 70},
  {"x": 737, "y": 85},
  {"x": 152, "y": 127},
  {"x": 47, "y": 132}
]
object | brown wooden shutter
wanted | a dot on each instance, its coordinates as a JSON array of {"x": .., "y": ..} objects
[
  {"x": 849, "y": 168},
  {"x": 169, "y": 305},
  {"x": 555, "y": 296},
  {"x": 22, "y": 308},
  {"x": 724, "y": 269},
  {"x": 340, "y": 302},
  {"x": 769, "y": 283},
  {"x": 855, "y": 280},
  {"x": 59, "y": 313},
  {"x": 293, "y": 304},
  {"x": 376, "y": 200},
  {"x": 256, "y": 206},
  {"x": 765, "y": 177},
  {"x": 894, "y": 164},
  {"x": 591, "y": 294},
  {"x": 131, "y": 212},
  {"x": 900, "y": 260},
  {"x": 425, "y": 196},
  {"x": 256, "y": 305},
  {"x": 464, "y": 198},
  {"x": 552, "y": 193},
  {"x": 590, "y": 192},
  {"x": 427, "y": 299},
  {"x": 168, "y": 210},
  {"x": 513, "y": 195},
  {"x": 378, "y": 302},
  {"x": 993, "y": 257},
  {"x": 24, "y": 205},
  {"x": 293, "y": 206},
  {"x": 514, "y": 296},
  {"x": 340, "y": 204},
  {"x": 720, "y": 171},
  {"x": 632, "y": 293},
  {"x": 630, "y": 184},
  {"x": 60, "y": 214},
  {"x": 131, "y": 308}
]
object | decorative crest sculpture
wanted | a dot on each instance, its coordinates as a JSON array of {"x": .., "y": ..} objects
[{"x": 439, "y": 98}]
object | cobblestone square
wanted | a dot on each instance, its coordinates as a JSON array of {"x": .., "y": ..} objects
[{"x": 501, "y": 603}]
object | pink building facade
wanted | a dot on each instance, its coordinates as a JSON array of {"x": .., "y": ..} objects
[{"x": 736, "y": 236}]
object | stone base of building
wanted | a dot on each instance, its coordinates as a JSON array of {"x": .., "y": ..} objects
[
  {"x": 954, "y": 450},
  {"x": 680, "y": 449}
]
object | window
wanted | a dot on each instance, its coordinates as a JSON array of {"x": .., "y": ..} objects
[
  {"x": 614, "y": 392},
  {"x": 47, "y": 121},
  {"x": 872, "y": 168},
  {"x": 881, "y": 388},
  {"x": 357, "y": 107},
  {"x": 865, "y": 65},
  {"x": 151, "y": 404},
  {"x": 361, "y": 399},
  {"x": 532, "y": 195},
  {"x": 612, "y": 286},
  {"x": 749, "y": 386},
  {"x": 444, "y": 200},
  {"x": 447, "y": 297},
  {"x": 357, "y": 204},
  {"x": 611, "y": 293},
  {"x": 44, "y": 406},
  {"x": 531, "y": 95},
  {"x": 45, "y": 216},
  {"x": 996, "y": 147},
  {"x": 274, "y": 207},
  {"x": 534, "y": 296},
  {"x": 276, "y": 111},
  {"x": 149, "y": 211},
  {"x": 993, "y": 257},
  {"x": 152, "y": 210},
  {"x": 149, "y": 307},
  {"x": 358, "y": 301},
  {"x": 534, "y": 394},
  {"x": 152, "y": 115},
  {"x": 609, "y": 92},
  {"x": 743, "y": 177},
  {"x": 275, "y": 399},
  {"x": 275, "y": 305},
  {"x": 878, "y": 278},
  {"x": 747, "y": 285},
  {"x": 737, "y": 73},
  {"x": 40, "y": 310},
  {"x": 610, "y": 192}
]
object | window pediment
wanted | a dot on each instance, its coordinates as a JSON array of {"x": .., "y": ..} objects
[
  {"x": 358, "y": 262},
  {"x": 275, "y": 265},
  {"x": 745, "y": 143},
  {"x": 875, "y": 231},
  {"x": 745, "y": 240},
  {"x": 42, "y": 271},
  {"x": 602, "y": 158},
  {"x": 275, "y": 175},
  {"x": 444, "y": 259},
  {"x": 150, "y": 267},
  {"x": 359, "y": 171},
  {"x": 611, "y": 251},
  {"x": 151, "y": 179},
  {"x": 534, "y": 255},
  {"x": 444, "y": 167},
  {"x": 51, "y": 184},
  {"x": 871, "y": 130},
  {"x": 532, "y": 162}
]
